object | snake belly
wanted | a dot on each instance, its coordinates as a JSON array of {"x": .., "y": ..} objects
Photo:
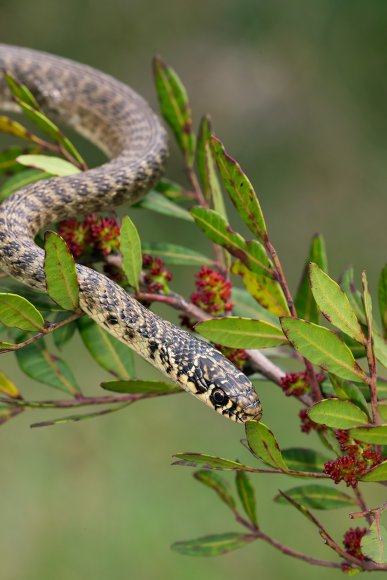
[{"x": 119, "y": 121}]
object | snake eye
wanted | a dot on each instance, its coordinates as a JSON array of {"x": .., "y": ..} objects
[{"x": 219, "y": 397}]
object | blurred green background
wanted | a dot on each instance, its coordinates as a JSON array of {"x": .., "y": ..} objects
[{"x": 298, "y": 93}]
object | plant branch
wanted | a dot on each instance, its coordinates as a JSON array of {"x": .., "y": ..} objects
[{"x": 372, "y": 368}]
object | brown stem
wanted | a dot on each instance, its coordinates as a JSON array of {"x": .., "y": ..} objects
[
  {"x": 362, "y": 504},
  {"x": 48, "y": 329},
  {"x": 372, "y": 384}
]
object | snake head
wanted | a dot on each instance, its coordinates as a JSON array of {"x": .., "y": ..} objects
[{"x": 213, "y": 379}]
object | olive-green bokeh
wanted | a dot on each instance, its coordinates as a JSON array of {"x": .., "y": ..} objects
[{"x": 297, "y": 91}]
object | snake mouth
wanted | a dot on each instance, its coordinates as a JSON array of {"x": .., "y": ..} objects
[{"x": 252, "y": 412}]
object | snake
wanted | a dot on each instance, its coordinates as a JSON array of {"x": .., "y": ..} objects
[{"x": 120, "y": 123}]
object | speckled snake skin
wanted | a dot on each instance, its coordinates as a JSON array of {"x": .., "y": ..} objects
[{"x": 121, "y": 123}]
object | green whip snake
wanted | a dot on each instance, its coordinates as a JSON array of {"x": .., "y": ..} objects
[{"x": 119, "y": 121}]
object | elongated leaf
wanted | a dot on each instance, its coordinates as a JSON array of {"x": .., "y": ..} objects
[
  {"x": 246, "y": 495},
  {"x": 207, "y": 168},
  {"x": 266, "y": 291},
  {"x": 171, "y": 190},
  {"x": 130, "y": 245},
  {"x": 20, "y": 91},
  {"x": 209, "y": 462},
  {"x": 39, "y": 364},
  {"x": 11, "y": 127},
  {"x": 246, "y": 307},
  {"x": 17, "y": 312},
  {"x": 337, "y": 414},
  {"x": 20, "y": 180},
  {"x": 382, "y": 295},
  {"x": 334, "y": 304},
  {"x": 367, "y": 302},
  {"x": 48, "y": 127},
  {"x": 376, "y": 434},
  {"x": 138, "y": 386},
  {"x": 174, "y": 254},
  {"x": 349, "y": 391},
  {"x": 354, "y": 296},
  {"x": 106, "y": 350},
  {"x": 383, "y": 412},
  {"x": 380, "y": 349},
  {"x": 175, "y": 107},
  {"x": 240, "y": 190},
  {"x": 318, "y": 497},
  {"x": 81, "y": 417},
  {"x": 8, "y": 387},
  {"x": 252, "y": 254},
  {"x": 61, "y": 275},
  {"x": 241, "y": 332},
  {"x": 218, "y": 484},
  {"x": 322, "y": 347},
  {"x": 264, "y": 445},
  {"x": 160, "y": 204},
  {"x": 374, "y": 543},
  {"x": 214, "y": 545},
  {"x": 52, "y": 165},
  {"x": 7, "y": 412},
  {"x": 304, "y": 301},
  {"x": 378, "y": 473},
  {"x": 302, "y": 459}
]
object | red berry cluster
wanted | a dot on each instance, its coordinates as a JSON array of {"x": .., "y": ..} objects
[
  {"x": 156, "y": 276},
  {"x": 213, "y": 292},
  {"x": 93, "y": 234},
  {"x": 352, "y": 539},
  {"x": 358, "y": 459},
  {"x": 307, "y": 425},
  {"x": 295, "y": 384}
]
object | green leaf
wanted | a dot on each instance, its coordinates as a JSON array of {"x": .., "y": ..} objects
[
  {"x": 207, "y": 168},
  {"x": 334, "y": 304},
  {"x": 160, "y": 204},
  {"x": 61, "y": 275},
  {"x": 246, "y": 495},
  {"x": 7, "y": 347},
  {"x": 382, "y": 295},
  {"x": 252, "y": 253},
  {"x": 174, "y": 254},
  {"x": 20, "y": 91},
  {"x": 318, "y": 497},
  {"x": 175, "y": 107},
  {"x": 218, "y": 484},
  {"x": 304, "y": 302},
  {"x": 8, "y": 163},
  {"x": 209, "y": 462},
  {"x": 81, "y": 417},
  {"x": 130, "y": 245},
  {"x": 7, "y": 412},
  {"x": 264, "y": 445},
  {"x": 354, "y": 296},
  {"x": 52, "y": 165},
  {"x": 374, "y": 543},
  {"x": 241, "y": 332},
  {"x": 64, "y": 334},
  {"x": 266, "y": 291},
  {"x": 322, "y": 347},
  {"x": 17, "y": 312},
  {"x": 383, "y": 412},
  {"x": 20, "y": 180},
  {"x": 376, "y": 434},
  {"x": 213, "y": 545},
  {"x": 380, "y": 348},
  {"x": 367, "y": 302},
  {"x": 171, "y": 190},
  {"x": 138, "y": 386},
  {"x": 240, "y": 190},
  {"x": 106, "y": 350},
  {"x": 301, "y": 459},
  {"x": 378, "y": 473},
  {"x": 48, "y": 127},
  {"x": 349, "y": 391},
  {"x": 337, "y": 414},
  {"x": 246, "y": 307},
  {"x": 7, "y": 387},
  {"x": 42, "y": 366}
]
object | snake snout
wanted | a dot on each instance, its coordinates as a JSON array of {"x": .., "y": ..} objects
[{"x": 252, "y": 411}]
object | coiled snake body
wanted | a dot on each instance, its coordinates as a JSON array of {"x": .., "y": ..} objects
[{"x": 121, "y": 123}]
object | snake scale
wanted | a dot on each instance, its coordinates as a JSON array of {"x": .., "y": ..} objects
[{"x": 120, "y": 122}]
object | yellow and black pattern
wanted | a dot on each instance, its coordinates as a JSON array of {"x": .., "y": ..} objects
[{"x": 121, "y": 123}]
